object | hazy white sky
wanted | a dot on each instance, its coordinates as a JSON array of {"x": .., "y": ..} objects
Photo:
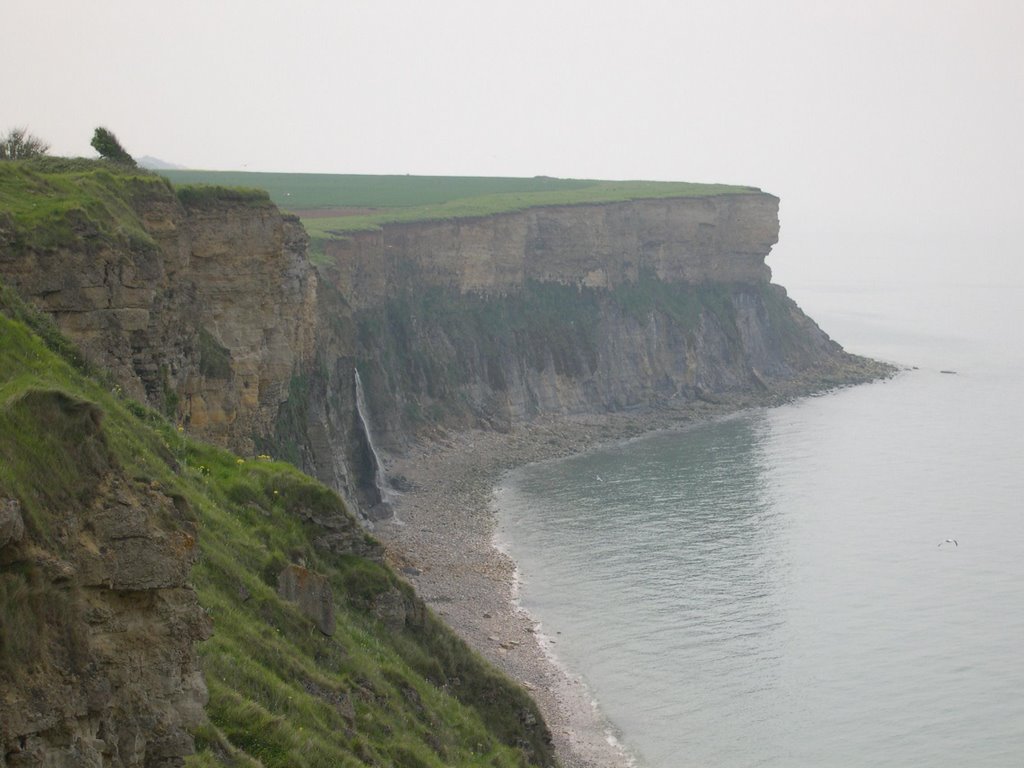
[{"x": 891, "y": 118}]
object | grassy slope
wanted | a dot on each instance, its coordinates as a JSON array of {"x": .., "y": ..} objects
[
  {"x": 419, "y": 198},
  {"x": 45, "y": 200},
  {"x": 281, "y": 693}
]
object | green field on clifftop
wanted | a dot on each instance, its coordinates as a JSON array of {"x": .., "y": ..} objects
[{"x": 331, "y": 204}]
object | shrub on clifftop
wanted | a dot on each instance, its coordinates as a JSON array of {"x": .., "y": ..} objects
[
  {"x": 19, "y": 144},
  {"x": 106, "y": 143}
]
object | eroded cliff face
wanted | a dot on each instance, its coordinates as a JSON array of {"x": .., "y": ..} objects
[
  {"x": 722, "y": 239},
  {"x": 255, "y": 305},
  {"x": 202, "y": 310},
  {"x": 573, "y": 309},
  {"x": 208, "y": 308},
  {"x": 100, "y": 622}
]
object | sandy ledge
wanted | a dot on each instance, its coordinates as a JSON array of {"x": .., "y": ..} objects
[{"x": 442, "y": 540}]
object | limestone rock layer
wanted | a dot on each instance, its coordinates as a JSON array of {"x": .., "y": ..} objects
[
  {"x": 204, "y": 312},
  {"x": 208, "y": 308},
  {"x": 721, "y": 239}
]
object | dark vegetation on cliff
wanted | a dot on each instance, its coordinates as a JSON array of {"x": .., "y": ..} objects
[
  {"x": 390, "y": 686},
  {"x": 471, "y": 360}
]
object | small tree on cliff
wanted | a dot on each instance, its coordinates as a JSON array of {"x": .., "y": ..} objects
[
  {"x": 106, "y": 143},
  {"x": 19, "y": 144}
]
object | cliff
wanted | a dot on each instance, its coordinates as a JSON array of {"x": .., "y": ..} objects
[
  {"x": 201, "y": 304},
  {"x": 124, "y": 544},
  {"x": 721, "y": 239},
  {"x": 573, "y": 309},
  {"x": 100, "y": 622},
  {"x": 204, "y": 304}
]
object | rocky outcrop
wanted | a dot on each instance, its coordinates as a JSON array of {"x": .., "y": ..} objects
[
  {"x": 99, "y": 621},
  {"x": 12, "y": 526},
  {"x": 255, "y": 304},
  {"x": 204, "y": 309},
  {"x": 311, "y": 592}
]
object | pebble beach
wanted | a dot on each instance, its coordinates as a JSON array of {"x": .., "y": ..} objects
[{"x": 442, "y": 539}]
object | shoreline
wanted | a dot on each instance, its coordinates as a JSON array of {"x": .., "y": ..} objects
[{"x": 442, "y": 538}]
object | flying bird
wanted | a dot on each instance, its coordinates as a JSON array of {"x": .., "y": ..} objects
[{"x": 949, "y": 541}]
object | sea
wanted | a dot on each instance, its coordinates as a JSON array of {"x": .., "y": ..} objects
[{"x": 838, "y": 581}]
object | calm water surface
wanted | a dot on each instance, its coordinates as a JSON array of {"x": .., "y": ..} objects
[{"x": 768, "y": 590}]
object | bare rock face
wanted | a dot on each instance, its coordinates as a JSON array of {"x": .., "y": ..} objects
[
  {"x": 398, "y": 610},
  {"x": 99, "y": 665},
  {"x": 12, "y": 526},
  {"x": 311, "y": 592},
  {"x": 702, "y": 239},
  {"x": 216, "y": 317},
  {"x": 493, "y": 321},
  {"x": 207, "y": 317},
  {"x": 255, "y": 296}
]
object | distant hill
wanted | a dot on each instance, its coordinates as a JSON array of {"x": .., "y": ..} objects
[{"x": 156, "y": 164}]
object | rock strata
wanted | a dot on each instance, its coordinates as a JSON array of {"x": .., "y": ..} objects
[
  {"x": 211, "y": 311},
  {"x": 720, "y": 239},
  {"x": 205, "y": 312},
  {"x": 99, "y": 663},
  {"x": 496, "y": 321}
]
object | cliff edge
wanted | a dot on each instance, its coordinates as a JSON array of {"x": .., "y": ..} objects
[
  {"x": 721, "y": 239},
  {"x": 591, "y": 308},
  {"x": 200, "y": 303},
  {"x": 203, "y": 302}
]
